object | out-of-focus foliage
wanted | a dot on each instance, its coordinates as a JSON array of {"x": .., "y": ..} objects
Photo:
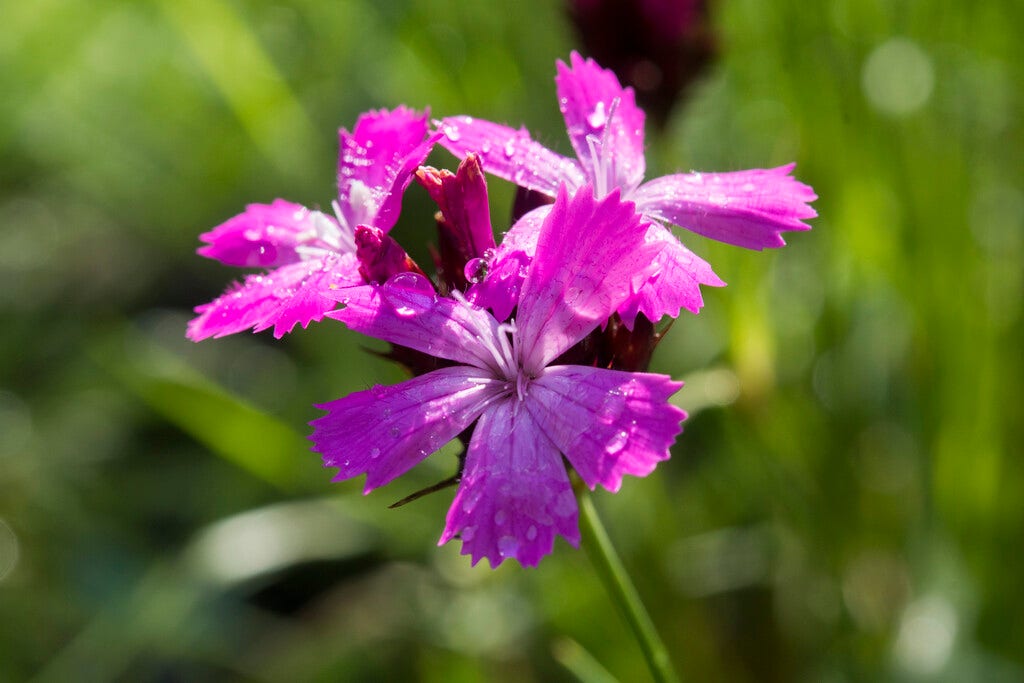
[{"x": 845, "y": 503}]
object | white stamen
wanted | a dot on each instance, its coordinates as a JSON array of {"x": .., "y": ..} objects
[
  {"x": 603, "y": 161},
  {"x": 496, "y": 345},
  {"x": 346, "y": 236}
]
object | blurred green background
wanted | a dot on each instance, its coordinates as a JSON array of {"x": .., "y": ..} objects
[{"x": 846, "y": 503}]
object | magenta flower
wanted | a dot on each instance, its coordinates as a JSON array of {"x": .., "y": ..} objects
[
  {"x": 308, "y": 253},
  {"x": 514, "y": 494},
  {"x": 746, "y": 208}
]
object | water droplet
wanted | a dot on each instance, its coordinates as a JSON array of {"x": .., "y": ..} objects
[
  {"x": 471, "y": 499},
  {"x": 475, "y": 270},
  {"x": 598, "y": 117},
  {"x": 485, "y": 147},
  {"x": 267, "y": 254},
  {"x": 611, "y": 407},
  {"x": 510, "y": 147},
  {"x": 394, "y": 432},
  {"x": 452, "y": 133},
  {"x": 374, "y": 452},
  {"x": 617, "y": 442},
  {"x": 409, "y": 294},
  {"x": 565, "y": 504},
  {"x": 468, "y": 533},
  {"x": 508, "y": 546},
  {"x": 531, "y": 533},
  {"x": 500, "y": 517}
]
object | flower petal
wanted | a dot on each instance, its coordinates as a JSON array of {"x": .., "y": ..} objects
[
  {"x": 499, "y": 290},
  {"x": 608, "y": 423},
  {"x": 266, "y": 235},
  {"x": 384, "y": 431},
  {"x": 510, "y": 154},
  {"x": 515, "y": 496},
  {"x": 406, "y": 310},
  {"x": 376, "y": 162},
  {"x": 462, "y": 199},
  {"x": 295, "y": 293},
  {"x": 464, "y": 220},
  {"x": 746, "y": 208},
  {"x": 590, "y": 257},
  {"x": 596, "y": 105},
  {"x": 674, "y": 284}
]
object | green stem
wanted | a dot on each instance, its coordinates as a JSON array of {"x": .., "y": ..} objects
[{"x": 618, "y": 584}]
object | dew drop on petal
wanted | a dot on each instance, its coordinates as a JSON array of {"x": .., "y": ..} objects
[
  {"x": 267, "y": 254},
  {"x": 508, "y": 546},
  {"x": 617, "y": 442},
  {"x": 452, "y": 133},
  {"x": 531, "y": 533},
  {"x": 611, "y": 407},
  {"x": 485, "y": 147},
  {"x": 471, "y": 499},
  {"x": 565, "y": 504},
  {"x": 374, "y": 452},
  {"x": 409, "y": 294},
  {"x": 394, "y": 432},
  {"x": 468, "y": 533},
  {"x": 510, "y": 148},
  {"x": 598, "y": 117},
  {"x": 499, "y": 517},
  {"x": 475, "y": 270}
]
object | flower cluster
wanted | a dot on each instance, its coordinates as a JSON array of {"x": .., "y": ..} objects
[{"x": 533, "y": 351}]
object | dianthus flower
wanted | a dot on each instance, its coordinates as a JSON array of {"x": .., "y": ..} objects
[
  {"x": 308, "y": 253},
  {"x": 746, "y": 208},
  {"x": 505, "y": 380}
]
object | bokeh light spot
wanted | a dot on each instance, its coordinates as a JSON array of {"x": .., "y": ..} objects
[{"x": 898, "y": 77}]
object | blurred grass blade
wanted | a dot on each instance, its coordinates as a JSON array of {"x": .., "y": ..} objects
[
  {"x": 226, "y": 424},
  {"x": 579, "y": 662},
  {"x": 251, "y": 84}
]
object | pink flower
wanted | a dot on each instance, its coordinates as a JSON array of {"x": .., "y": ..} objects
[
  {"x": 308, "y": 253},
  {"x": 746, "y": 208},
  {"x": 514, "y": 494}
]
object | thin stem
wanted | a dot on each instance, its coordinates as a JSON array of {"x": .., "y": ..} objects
[{"x": 623, "y": 593}]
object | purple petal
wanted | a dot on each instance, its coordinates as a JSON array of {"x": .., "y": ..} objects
[
  {"x": 295, "y": 293},
  {"x": 746, "y": 208},
  {"x": 674, "y": 284},
  {"x": 462, "y": 199},
  {"x": 590, "y": 257},
  {"x": 608, "y": 423},
  {"x": 376, "y": 162},
  {"x": 506, "y": 270},
  {"x": 510, "y": 154},
  {"x": 265, "y": 235},
  {"x": 596, "y": 106},
  {"x": 384, "y": 431},
  {"x": 406, "y": 310},
  {"x": 380, "y": 256},
  {"x": 515, "y": 496}
]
